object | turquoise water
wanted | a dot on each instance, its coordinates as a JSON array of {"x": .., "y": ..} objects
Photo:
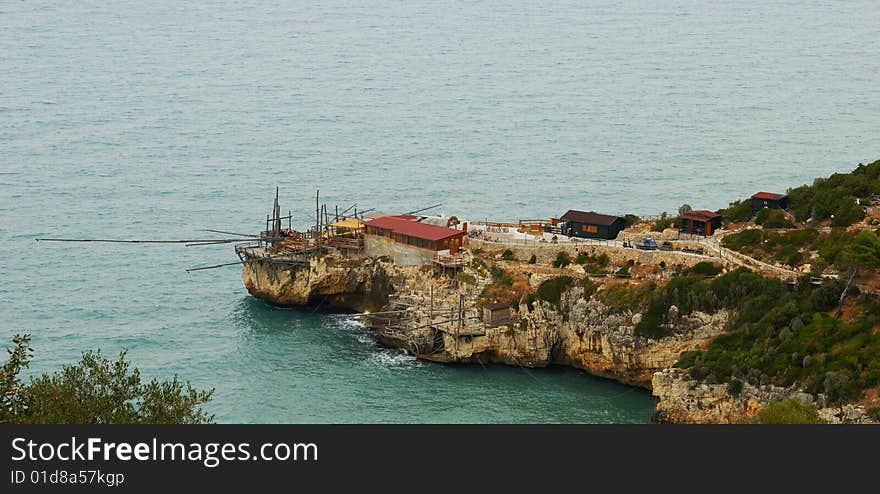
[{"x": 159, "y": 119}]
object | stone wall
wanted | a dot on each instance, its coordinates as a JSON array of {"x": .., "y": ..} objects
[{"x": 545, "y": 253}]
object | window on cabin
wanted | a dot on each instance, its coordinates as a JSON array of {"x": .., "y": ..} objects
[{"x": 590, "y": 228}]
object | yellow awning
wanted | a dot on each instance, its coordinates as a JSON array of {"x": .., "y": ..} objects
[{"x": 350, "y": 223}]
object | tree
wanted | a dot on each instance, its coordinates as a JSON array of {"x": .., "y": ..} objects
[
  {"x": 19, "y": 358},
  {"x": 684, "y": 209},
  {"x": 96, "y": 391}
]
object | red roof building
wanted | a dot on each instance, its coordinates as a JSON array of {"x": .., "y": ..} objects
[
  {"x": 770, "y": 200},
  {"x": 406, "y": 231},
  {"x": 699, "y": 222}
]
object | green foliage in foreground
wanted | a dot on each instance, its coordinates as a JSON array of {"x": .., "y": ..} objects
[
  {"x": 789, "y": 411},
  {"x": 95, "y": 391}
]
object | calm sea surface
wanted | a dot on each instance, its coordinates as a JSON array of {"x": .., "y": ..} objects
[{"x": 160, "y": 119}]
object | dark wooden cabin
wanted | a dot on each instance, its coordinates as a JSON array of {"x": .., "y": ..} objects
[
  {"x": 770, "y": 200},
  {"x": 699, "y": 222},
  {"x": 587, "y": 224}
]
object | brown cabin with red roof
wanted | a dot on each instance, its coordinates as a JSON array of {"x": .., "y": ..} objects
[
  {"x": 407, "y": 241},
  {"x": 770, "y": 200},
  {"x": 699, "y": 222},
  {"x": 588, "y": 224}
]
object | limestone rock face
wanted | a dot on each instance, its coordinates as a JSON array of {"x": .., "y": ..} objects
[
  {"x": 592, "y": 337},
  {"x": 686, "y": 400},
  {"x": 581, "y": 332},
  {"x": 327, "y": 282}
]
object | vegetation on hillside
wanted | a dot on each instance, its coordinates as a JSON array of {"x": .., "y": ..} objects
[
  {"x": 838, "y": 199},
  {"x": 835, "y": 198},
  {"x": 664, "y": 222},
  {"x": 738, "y": 211},
  {"x": 773, "y": 218},
  {"x": 593, "y": 264},
  {"x": 777, "y": 335},
  {"x": 94, "y": 391},
  {"x": 506, "y": 287},
  {"x": 839, "y": 247},
  {"x": 789, "y": 411},
  {"x": 551, "y": 290}
]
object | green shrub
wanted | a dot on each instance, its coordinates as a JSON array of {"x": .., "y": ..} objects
[
  {"x": 789, "y": 411},
  {"x": 533, "y": 259},
  {"x": 773, "y": 218},
  {"x": 562, "y": 259},
  {"x": 466, "y": 278},
  {"x": 507, "y": 255},
  {"x": 704, "y": 268},
  {"x": 630, "y": 220},
  {"x": 500, "y": 276},
  {"x": 827, "y": 296},
  {"x": 663, "y": 223},
  {"x": 735, "y": 387},
  {"x": 550, "y": 291},
  {"x": 737, "y": 211}
]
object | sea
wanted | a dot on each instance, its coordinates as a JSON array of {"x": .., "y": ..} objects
[{"x": 161, "y": 119}]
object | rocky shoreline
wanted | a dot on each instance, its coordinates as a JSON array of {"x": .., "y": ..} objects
[{"x": 580, "y": 331}]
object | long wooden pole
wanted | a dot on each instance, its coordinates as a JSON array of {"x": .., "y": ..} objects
[
  {"x": 317, "y": 217},
  {"x": 120, "y": 241}
]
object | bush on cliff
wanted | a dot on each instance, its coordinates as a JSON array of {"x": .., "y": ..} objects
[
  {"x": 551, "y": 290},
  {"x": 95, "y": 391},
  {"x": 562, "y": 259},
  {"x": 734, "y": 387},
  {"x": 738, "y": 211},
  {"x": 772, "y": 218},
  {"x": 663, "y": 223},
  {"x": 704, "y": 268},
  {"x": 789, "y": 411}
]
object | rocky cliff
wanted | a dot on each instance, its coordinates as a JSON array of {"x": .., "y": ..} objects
[
  {"x": 578, "y": 331},
  {"x": 686, "y": 400},
  {"x": 326, "y": 282},
  {"x": 581, "y": 332}
]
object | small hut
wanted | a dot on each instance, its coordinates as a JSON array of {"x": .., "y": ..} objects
[
  {"x": 770, "y": 200},
  {"x": 699, "y": 222},
  {"x": 588, "y": 224},
  {"x": 497, "y": 314}
]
